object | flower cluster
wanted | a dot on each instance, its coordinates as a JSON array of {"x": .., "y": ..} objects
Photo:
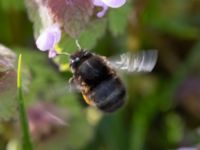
[{"x": 48, "y": 39}]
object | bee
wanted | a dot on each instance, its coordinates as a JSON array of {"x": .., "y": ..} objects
[{"x": 97, "y": 78}]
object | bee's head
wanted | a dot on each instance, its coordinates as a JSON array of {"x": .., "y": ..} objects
[{"x": 79, "y": 57}]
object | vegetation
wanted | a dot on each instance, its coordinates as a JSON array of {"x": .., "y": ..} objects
[{"x": 162, "y": 109}]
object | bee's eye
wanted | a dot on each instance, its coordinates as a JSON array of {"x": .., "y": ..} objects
[
  {"x": 72, "y": 60},
  {"x": 77, "y": 59}
]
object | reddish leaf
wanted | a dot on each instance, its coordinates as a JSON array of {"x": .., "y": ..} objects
[
  {"x": 73, "y": 15},
  {"x": 7, "y": 59},
  {"x": 8, "y": 83}
]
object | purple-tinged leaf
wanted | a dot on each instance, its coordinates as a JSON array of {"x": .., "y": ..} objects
[
  {"x": 7, "y": 59},
  {"x": 74, "y": 15},
  {"x": 8, "y": 83},
  {"x": 40, "y": 15},
  {"x": 46, "y": 116}
]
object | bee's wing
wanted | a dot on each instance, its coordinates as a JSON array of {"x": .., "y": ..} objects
[{"x": 142, "y": 61}]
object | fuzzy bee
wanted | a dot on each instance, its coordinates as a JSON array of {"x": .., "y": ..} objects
[{"x": 97, "y": 79}]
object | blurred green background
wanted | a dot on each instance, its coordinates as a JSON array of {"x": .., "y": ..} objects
[{"x": 163, "y": 107}]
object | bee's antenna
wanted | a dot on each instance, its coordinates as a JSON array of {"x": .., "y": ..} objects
[{"x": 78, "y": 45}]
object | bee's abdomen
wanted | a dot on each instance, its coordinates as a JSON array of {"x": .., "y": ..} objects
[
  {"x": 93, "y": 71},
  {"x": 109, "y": 95}
]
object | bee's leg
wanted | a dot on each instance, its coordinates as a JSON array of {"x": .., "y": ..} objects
[
  {"x": 71, "y": 80},
  {"x": 73, "y": 84}
]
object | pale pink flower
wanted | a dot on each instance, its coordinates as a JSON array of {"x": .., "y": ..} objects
[
  {"x": 48, "y": 39},
  {"x": 105, "y": 4}
]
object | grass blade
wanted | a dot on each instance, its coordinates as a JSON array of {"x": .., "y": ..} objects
[{"x": 26, "y": 141}]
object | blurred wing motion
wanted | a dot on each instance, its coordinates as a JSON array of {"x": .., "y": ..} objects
[{"x": 143, "y": 61}]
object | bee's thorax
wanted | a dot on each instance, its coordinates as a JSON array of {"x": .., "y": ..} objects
[{"x": 78, "y": 58}]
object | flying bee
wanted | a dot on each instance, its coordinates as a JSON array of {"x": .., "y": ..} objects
[{"x": 97, "y": 79}]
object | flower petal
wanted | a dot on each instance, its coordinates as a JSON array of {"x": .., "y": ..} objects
[
  {"x": 49, "y": 38},
  {"x": 102, "y": 12},
  {"x": 55, "y": 29},
  {"x": 52, "y": 53},
  {"x": 45, "y": 41},
  {"x": 114, "y": 3},
  {"x": 100, "y": 4}
]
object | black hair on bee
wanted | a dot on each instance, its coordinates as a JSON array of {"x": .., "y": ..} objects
[{"x": 97, "y": 81}]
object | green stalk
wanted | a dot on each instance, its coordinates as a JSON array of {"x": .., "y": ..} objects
[{"x": 26, "y": 141}]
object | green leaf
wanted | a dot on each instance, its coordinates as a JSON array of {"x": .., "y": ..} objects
[
  {"x": 38, "y": 75},
  {"x": 95, "y": 31},
  {"x": 87, "y": 39},
  {"x": 118, "y": 19}
]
